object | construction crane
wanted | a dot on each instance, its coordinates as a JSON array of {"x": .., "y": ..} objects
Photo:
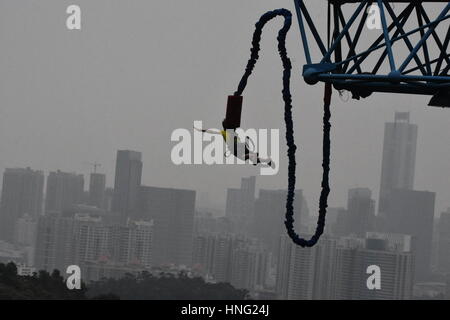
[
  {"x": 423, "y": 69},
  {"x": 408, "y": 56},
  {"x": 95, "y": 165}
]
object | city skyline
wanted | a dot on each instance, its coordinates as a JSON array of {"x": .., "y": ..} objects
[
  {"x": 162, "y": 227},
  {"x": 88, "y": 118},
  {"x": 80, "y": 118},
  {"x": 109, "y": 182}
]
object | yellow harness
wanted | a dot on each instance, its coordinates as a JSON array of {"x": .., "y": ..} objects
[{"x": 224, "y": 134}]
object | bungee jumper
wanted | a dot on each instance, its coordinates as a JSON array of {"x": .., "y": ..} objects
[
  {"x": 241, "y": 150},
  {"x": 343, "y": 71},
  {"x": 232, "y": 121}
]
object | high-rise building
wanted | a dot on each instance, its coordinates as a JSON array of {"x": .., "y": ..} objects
[
  {"x": 444, "y": 242},
  {"x": 336, "y": 221},
  {"x": 305, "y": 273},
  {"x": 127, "y": 182},
  {"x": 283, "y": 267},
  {"x": 90, "y": 238},
  {"x": 95, "y": 240},
  {"x": 240, "y": 206},
  {"x": 221, "y": 259},
  {"x": 230, "y": 258},
  {"x": 202, "y": 254},
  {"x": 97, "y": 185},
  {"x": 324, "y": 275},
  {"x": 64, "y": 190},
  {"x": 25, "y": 231},
  {"x": 337, "y": 268},
  {"x": 412, "y": 212},
  {"x": 360, "y": 212},
  {"x": 396, "y": 267},
  {"x": 85, "y": 239},
  {"x": 54, "y": 243},
  {"x": 270, "y": 211},
  {"x": 248, "y": 185},
  {"x": 141, "y": 243},
  {"x": 119, "y": 239},
  {"x": 108, "y": 200},
  {"x": 399, "y": 157},
  {"x": 248, "y": 265},
  {"x": 22, "y": 193},
  {"x": 207, "y": 223},
  {"x": 172, "y": 211}
]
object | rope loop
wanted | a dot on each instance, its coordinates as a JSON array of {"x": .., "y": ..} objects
[{"x": 287, "y": 98}]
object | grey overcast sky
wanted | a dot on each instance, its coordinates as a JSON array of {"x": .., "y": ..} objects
[{"x": 139, "y": 69}]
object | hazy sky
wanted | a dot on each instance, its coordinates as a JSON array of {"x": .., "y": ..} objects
[{"x": 139, "y": 69}]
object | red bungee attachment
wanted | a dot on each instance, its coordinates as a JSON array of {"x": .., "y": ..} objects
[{"x": 233, "y": 115}]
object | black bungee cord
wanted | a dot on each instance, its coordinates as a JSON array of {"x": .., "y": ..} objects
[{"x": 287, "y": 66}]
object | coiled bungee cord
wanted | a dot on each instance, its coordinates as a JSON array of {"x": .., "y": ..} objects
[{"x": 287, "y": 66}]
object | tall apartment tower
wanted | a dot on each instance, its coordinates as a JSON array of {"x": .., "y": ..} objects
[
  {"x": 399, "y": 157},
  {"x": 221, "y": 261},
  {"x": 25, "y": 231},
  {"x": 89, "y": 241},
  {"x": 54, "y": 242},
  {"x": 64, "y": 189},
  {"x": 22, "y": 193},
  {"x": 270, "y": 210},
  {"x": 202, "y": 253},
  {"x": 337, "y": 269},
  {"x": 248, "y": 265},
  {"x": 240, "y": 206},
  {"x": 444, "y": 242},
  {"x": 234, "y": 259},
  {"x": 412, "y": 212},
  {"x": 172, "y": 211},
  {"x": 305, "y": 273},
  {"x": 97, "y": 186},
  {"x": 95, "y": 240},
  {"x": 85, "y": 240},
  {"x": 127, "y": 182},
  {"x": 360, "y": 211},
  {"x": 396, "y": 265},
  {"x": 141, "y": 243}
]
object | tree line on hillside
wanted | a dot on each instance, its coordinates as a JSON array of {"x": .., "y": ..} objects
[{"x": 144, "y": 286}]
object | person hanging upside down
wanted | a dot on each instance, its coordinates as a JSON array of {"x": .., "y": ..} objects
[{"x": 239, "y": 149}]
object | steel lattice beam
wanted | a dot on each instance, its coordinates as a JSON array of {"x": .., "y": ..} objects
[{"x": 423, "y": 70}]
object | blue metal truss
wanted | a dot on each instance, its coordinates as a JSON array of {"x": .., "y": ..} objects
[{"x": 423, "y": 70}]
